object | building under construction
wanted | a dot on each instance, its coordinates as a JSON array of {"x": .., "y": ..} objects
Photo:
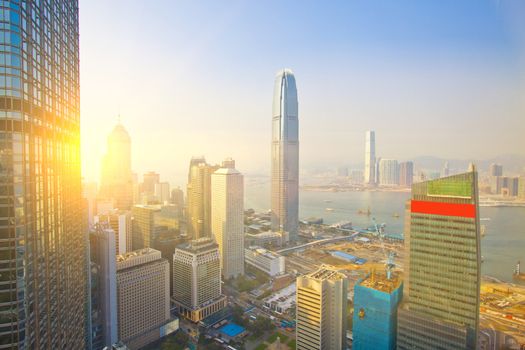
[{"x": 375, "y": 311}]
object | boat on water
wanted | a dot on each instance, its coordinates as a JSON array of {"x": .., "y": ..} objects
[
  {"x": 484, "y": 219},
  {"x": 328, "y": 201},
  {"x": 395, "y": 215},
  {"x": 329, "y": 209},
  {"x": 364, "y": 212}
]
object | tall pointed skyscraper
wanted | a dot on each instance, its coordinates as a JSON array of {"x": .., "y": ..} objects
[
  {"x": 370, "y": 158},
  {"x": 285, "y": 155},
  {"x": 43, "y": 253},
  {"x": 440, "y": 308},
  {"x": 116, "y": 181}
]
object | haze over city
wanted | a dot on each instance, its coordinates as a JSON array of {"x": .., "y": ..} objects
[{"x": 190, "y": 78}]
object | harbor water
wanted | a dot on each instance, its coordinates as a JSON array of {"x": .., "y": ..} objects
[{"x": 501, "y": 247}]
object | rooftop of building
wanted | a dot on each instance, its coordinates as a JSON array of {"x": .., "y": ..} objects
[
  {"x": 264, "y": 252},
  {"x": 148, "y": 206},
  {"x": 265, "y": 234},
  {"x": 226, "y": 171},
  {"x": 326, "y": 273},
  {"x": 137, "y": 254},
  {"x": 380, "y": 282},
  {"x": 198, "y": 245}
]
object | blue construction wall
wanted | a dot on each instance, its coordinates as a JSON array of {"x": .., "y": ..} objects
[{"x": 376, "y": 327}]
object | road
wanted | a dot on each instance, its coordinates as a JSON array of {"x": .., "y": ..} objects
[{"x": 320, "y": 241}]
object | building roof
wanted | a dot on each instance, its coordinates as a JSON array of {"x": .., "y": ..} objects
[
  {"x": 226, "y": 171},
  {"x": 380, "y": 282},
  {"x": 326, "y": 273}
]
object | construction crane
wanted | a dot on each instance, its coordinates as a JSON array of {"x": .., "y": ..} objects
[{"x": 390, "y": 256}]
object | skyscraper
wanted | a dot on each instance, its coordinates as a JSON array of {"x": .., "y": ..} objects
[
  {"x": 162, "y": 192},
  {"x": 440, "y": 308},
  {"x": 120, "y": 222},
  {"x": 376, "y": 298},
  {"x": 496, "y": 169},
  {"x": 103, "y": 287},
  {"x": 388, "y": 172},
  {"x": 144, "y": 231},
  {"x": 285, "y": 155},
  {"x": 116, "y": 181},
  {"x": 446, "y": 170},
  {"x": 197, "y": 279},
  {"x": 321, "y": 310},
  {"x": 44, "y": 255},
  {"x": 143, "y": 297},
  {"x": 198, "y": 211},
  {"x": 370, "y": 158},
  {"x": 227, "y": 208},
  {"x": 406, "y": 174}
]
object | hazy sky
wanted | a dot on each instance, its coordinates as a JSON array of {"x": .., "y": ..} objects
[{"x": 442, "y": 77}]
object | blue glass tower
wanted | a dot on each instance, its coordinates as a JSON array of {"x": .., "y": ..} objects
[{"x": 375, "y": 312}]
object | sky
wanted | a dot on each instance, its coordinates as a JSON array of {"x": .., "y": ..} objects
[{"x": 443, "y": 78}]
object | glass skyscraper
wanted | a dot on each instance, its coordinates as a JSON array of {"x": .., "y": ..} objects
[
  {"x": 43, "y": 274},
  {"x": 370, "y": 158},
  {"x": 440, "y": 309},
  {"x": 285, "y": 155}
]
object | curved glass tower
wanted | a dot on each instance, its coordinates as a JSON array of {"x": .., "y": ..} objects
[{"x": 285, "y": 155}]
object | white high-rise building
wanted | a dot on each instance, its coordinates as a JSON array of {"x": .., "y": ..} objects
[
  {"x": 227, "y": 219},
  {"x": 370, "y": 158},
  {"x": 321, "y": 310},
  {"x": 388, "y": 172},
  {"x": 285, "y": 155}
]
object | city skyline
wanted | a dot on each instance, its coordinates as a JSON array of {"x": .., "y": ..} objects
[
  {"x": 482, "y": 59},
  {"x": 307, "y": 244}
]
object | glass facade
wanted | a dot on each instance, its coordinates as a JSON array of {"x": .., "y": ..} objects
[
  {"x": 444, "y": 266},
  {"x": 42, "y": 246},
  {"x": 285, "y": 155},
  {"x": 375, "y": 314}
]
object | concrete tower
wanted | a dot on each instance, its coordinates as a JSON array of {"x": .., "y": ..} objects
[{"x": 227, "y": 221}]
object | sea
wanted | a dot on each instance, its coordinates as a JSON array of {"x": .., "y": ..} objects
[{"x": 502, "y": 246}]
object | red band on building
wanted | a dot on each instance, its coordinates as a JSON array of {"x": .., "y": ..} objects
[{"x": 445, "y": 209}]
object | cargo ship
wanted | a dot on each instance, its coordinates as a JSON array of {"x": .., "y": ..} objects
[{"x": 518, "y": 275}]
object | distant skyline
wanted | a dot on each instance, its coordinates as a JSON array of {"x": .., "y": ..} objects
[{"x": 440, "y": 78}]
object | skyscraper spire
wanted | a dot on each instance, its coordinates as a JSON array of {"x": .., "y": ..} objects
[{"x": 285, "y": 155}]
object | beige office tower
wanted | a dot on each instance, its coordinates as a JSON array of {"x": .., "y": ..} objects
[
  {"x": 116, "y": 181},
  {"x": 197, "y": 279},
  {"x": 144, "y": 229},
  {"x": 143, "y": 300},
  {"x": 120, "y": 222},
  {"x": 321, "y": 310},
  {"x": 199, "y": 198},
  {"x": 228, "y": 219}
]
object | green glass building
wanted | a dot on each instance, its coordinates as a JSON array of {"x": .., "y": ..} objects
[{"x": 440, "y": 308}]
